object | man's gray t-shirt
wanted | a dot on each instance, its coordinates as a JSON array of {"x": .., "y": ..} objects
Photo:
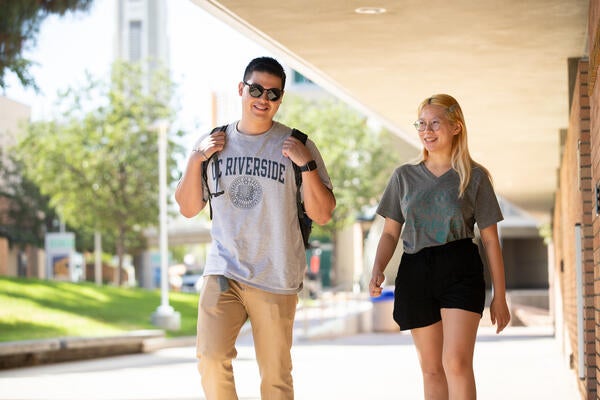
[
  {"x": 430, "y": 210},
  {"x": 256, "y": 236}
]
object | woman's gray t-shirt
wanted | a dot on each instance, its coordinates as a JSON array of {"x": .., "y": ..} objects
[
  {"x": 430, "y": 210},
  {"x": 256, "y": 236}
]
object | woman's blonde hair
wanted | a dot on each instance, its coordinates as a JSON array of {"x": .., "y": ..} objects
[{"x": 462, "y": 162}]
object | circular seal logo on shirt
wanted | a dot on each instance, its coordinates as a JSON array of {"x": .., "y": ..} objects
[{"x": 245, "y": 192}]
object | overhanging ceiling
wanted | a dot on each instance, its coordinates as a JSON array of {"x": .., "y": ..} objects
[{"x": 504, "y": 61}]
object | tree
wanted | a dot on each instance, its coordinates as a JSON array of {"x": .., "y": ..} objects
[
  {"x": 359, "y": 160},
  {"x": 98, "y": 161},
  {"x": 27, "y": 215},
  {"x": 20, "y": 22}
]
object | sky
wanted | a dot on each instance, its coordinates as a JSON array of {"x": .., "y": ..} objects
[{"x": 205, "y": 55}]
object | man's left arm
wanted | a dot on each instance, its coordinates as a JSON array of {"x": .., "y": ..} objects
[{"x": 319, "y": 200}]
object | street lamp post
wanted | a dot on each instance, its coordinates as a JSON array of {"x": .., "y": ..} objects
[{"x": 165, "y": 316}]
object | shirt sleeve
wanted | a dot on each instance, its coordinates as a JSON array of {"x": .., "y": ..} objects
[
  {"x": 487, "y": 209},
  {"x": 390, "y": 204}
]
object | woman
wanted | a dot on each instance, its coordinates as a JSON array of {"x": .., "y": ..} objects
[{"x": 439, "y": 290}]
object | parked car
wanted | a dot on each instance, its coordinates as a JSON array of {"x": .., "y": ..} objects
[{"x": 191, "y": 281}]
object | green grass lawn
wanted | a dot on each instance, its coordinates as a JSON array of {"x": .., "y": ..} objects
[{"x": 41, "y": 309}]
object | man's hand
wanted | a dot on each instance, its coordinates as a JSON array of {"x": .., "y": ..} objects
[
  {"x": 296, "y": 151},
  {"x": 211, "y": 144}
]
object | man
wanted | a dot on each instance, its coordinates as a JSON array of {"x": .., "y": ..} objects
[{"x": 256, "y": 262}]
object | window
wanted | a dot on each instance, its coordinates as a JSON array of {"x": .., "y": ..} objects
[
  {"x": 301, "y": 79},
  {"x": 135, "y": 41}
]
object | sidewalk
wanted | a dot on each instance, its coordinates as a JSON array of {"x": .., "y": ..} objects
[{"x": 522, "y": 363}]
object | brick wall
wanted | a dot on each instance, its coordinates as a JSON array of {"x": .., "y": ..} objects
[
  {"x": 574, "y": 206},
  {"x": 579, "y": 176},
  {"x": 3, "y": 256},
  {"x": 582, "y": 114},
  {"x": 594, "y": 129}
]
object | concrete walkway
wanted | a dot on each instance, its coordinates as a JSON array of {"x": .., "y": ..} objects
[{"x": 521, "y": 363}]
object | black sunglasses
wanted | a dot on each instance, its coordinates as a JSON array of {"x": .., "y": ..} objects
[{"x": 257, "y": 90}]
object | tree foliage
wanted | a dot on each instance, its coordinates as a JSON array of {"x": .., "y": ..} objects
[
  {"x": 27, "y": 214},
  {"x": 98, "y": 160},
  {"x": 20, "y": 22},
  {"x": 358, "y": 159}
]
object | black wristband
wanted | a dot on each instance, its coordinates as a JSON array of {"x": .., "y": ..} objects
[{"x": 309, "y": 166}]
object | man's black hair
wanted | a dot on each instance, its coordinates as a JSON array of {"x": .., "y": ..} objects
[{"x": 266, "y": 64}]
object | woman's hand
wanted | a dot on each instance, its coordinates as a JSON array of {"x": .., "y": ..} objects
[
  {"x": 377, "y": 279},
  {"x": 499, "y": 313}
]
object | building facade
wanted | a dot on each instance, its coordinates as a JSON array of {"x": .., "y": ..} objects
[
  {"x": 141, "y": 32},
  {"x": 576, "y": 220}
]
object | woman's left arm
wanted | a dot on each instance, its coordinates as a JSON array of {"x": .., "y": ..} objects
[{"x": 499, "y": 311}]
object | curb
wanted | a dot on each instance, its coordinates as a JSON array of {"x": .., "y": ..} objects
[{"x": 37, "y": 352}]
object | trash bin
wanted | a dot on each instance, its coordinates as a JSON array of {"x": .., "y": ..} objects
[{"x": 383, "y": 309}]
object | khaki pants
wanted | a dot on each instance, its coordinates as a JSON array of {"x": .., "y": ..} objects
[{"x": 223, "y": 308}]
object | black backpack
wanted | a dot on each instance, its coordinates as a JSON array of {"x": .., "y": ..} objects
[{"x": 303, "y": 218}]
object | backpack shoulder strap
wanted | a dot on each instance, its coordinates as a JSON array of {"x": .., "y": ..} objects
[
  {"x": 304, "y": 220},
  {"x": 214, "y": 156},
  {"x": 302, "y": 137},
  {"x": 222, "y": 128}
]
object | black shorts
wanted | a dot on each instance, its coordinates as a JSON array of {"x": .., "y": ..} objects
[{"x": 446, "y": 276}]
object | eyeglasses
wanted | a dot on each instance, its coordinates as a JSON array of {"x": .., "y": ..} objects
[
  {"x": 421, "y": 125},
  {"x": 257, "y": 91}
]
